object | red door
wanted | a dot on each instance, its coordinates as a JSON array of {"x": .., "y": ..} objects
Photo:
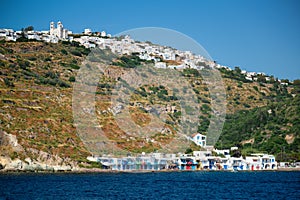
[{"x": 188, "y": 166}]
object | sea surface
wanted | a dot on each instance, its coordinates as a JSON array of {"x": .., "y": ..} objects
[{"x": 165, "y": 185}]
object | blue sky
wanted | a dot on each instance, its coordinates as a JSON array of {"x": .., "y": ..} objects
[{"x": 257, "y": 35}]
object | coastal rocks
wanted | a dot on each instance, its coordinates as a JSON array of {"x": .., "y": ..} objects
[
  {"x": 4, "y": 161},
  {"x": 16, "y": 164},
  {"x": 37, "y": 160},
  {"x": 7, "y": 164},
  {"x": 49, "y": 161}
]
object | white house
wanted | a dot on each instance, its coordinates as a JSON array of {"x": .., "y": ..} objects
[
  {"x": 103, "y": 34},
  {"x": 199, "y": 139},
  {"x": 268, "y": 162},
  {"x": 237, "y": 163},
  {"x": 3, "y": 33},
  {"x": 33, "y": 35},
  {"x": 87, "y": 31},
  {"x": 254, "y": 162}
]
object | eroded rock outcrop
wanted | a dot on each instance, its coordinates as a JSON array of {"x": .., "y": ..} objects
[{"x": 38, "y": 160}]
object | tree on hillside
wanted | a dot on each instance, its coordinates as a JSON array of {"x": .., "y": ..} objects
[
  {"x": 29, "y": 28},
  {"x": 261, "y": 78},
  {"x": 272, "y": 79},
  {"x": 285, "y": 80},
  {"x": 238, "y": 70},
  {"x": 296, "y": 82}
]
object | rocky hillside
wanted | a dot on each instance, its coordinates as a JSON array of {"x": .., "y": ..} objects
[{"x": 36, "y": 121}]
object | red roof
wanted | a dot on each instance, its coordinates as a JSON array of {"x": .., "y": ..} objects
[{"x": 195, "y": 134}]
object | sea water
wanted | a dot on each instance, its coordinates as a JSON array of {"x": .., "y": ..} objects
[{"x": 165, "y": 185}]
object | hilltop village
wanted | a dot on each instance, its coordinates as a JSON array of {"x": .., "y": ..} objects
[{"x": 163, "y": 56}]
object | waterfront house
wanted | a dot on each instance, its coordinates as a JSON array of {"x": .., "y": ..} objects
[
  {"x": 254, "y": 162},
  {"x": 268, "y": 162},
  {"x": 187, "y": 162},
  {"x": 201, "y": 159},
  {"x": 223, "y": 163},
  {"x": 237, "y": 163},
  {"x": 212, "y": 163}
]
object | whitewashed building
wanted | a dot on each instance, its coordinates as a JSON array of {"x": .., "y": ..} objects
[
  {"x": 87, "y": 31},
  {"x": 199, "y": 139},
  {"x": 58, "y": 31}
]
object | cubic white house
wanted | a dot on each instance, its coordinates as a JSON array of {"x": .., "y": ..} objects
[{"x": 199, "y": 139}]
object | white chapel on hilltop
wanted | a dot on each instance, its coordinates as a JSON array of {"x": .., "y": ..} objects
[{"x": 59, "y": 32}]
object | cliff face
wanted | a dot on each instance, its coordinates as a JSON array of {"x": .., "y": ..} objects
[{"x": 38, "y": 160}]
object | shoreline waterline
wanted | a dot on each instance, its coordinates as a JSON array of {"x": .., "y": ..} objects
[{"x": 95, "y": 170}]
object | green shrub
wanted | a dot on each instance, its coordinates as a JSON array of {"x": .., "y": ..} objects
[
  {"x": 76, "y": 53},
  {"x": 205, "y": 100},
  {"x": 8, "y": 82},
  {"x": 177, "y": 114},
  {"x": 22, "y": 39},
  {"x": 189, "y": 72},
  {"x": 24, "y": 64},
  {"x": 52, "y": 75},
  {"x": 255, "y": 88},
  {"x": 63, "y": 51},
  {"x": 32, "y": 58},
  {"x": 205, "y": 107},
  {"x": 47, "y": 59},
  {"x": 73, "y": 66},
  {"x": 128, "y": 61},
  {"x": 72, "y": 79},
  {"x": 246, "y": 105},
  {"x": 52, "y": 81},
  {"x": 84, "y": 51},
  {"x": 61, "y": 83}
]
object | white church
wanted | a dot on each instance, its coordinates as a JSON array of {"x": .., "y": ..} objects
[{"x": 59, "y": 31}]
